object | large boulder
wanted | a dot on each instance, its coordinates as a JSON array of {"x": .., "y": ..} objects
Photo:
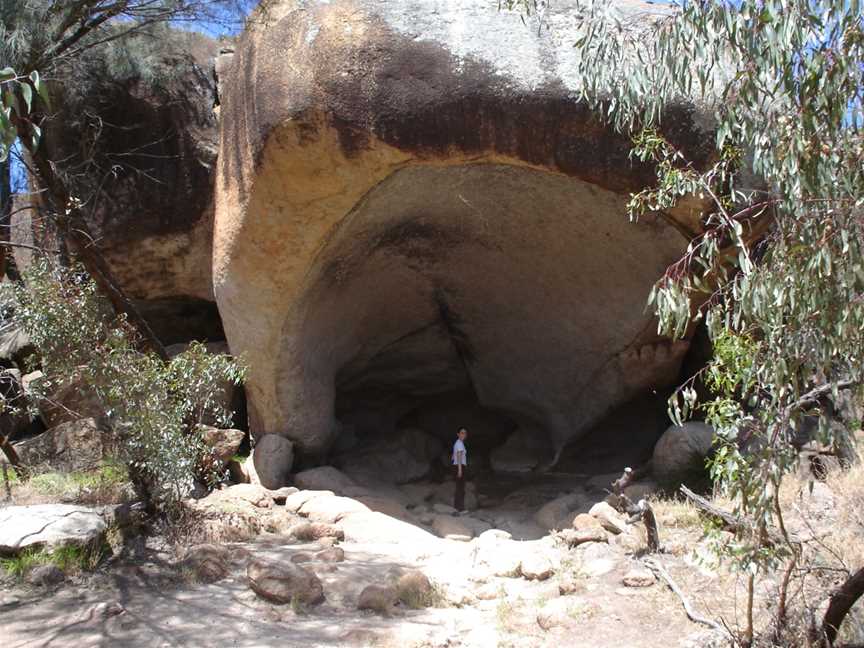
[
  {"x": 406, "y": 208},
  {"x": 74, "y": 445},
  {"x": 272, "y": 458},
  {"x": 680, "y": 455},
  {"x": 403, "y": 456},
  {"x": 144, "y": 147},
  {"x": 284, "y": 582},
  {"x": 49, "y": 525}
]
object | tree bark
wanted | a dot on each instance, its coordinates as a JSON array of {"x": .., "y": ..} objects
[
  {"x": 74, "y": 230},
  {"x": 839, "y": 604},
  {"x": 5, "y": 211}
]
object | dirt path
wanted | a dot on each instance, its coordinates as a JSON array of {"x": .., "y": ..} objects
[{"x": 147, "y": 604}]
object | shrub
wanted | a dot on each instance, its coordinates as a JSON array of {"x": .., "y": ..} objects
[{"x": 153, "y": 406}]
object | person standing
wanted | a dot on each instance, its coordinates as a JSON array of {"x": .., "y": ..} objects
[{"x": 460, "y": 462}]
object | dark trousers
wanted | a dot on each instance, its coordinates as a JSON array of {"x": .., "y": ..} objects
[{"x": 459, "y": 492}]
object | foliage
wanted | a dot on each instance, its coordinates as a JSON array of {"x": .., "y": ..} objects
[
  {"x": 778, "y": 273},
  {"x": 70, "y": 559},
  {"x": 153, "y": 407}
]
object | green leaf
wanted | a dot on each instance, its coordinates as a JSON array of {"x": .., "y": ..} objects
[
  {"x": 7, "y": 74},
  {"x": 27, "y": 94}
]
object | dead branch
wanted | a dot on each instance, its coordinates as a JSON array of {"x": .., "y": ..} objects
[
  {"x": 839, "y": 604},
  {"x": 729, "y": 521},
  {"x": 657, "y": 567}
]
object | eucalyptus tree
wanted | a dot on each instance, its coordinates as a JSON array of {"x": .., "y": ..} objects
[
  {"x": 46, "y": 44},
  {"x": 778, "y": 273}
]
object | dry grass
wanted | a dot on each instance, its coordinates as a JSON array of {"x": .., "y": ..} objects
[{"x": 107, "y": 484}]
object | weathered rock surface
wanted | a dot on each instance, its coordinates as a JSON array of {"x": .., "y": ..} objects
[
  {"x": 73, "y": 445},
  {"x": 680, "y": 454},
  {"x": 325, "y": 478},
  {"x": 405, "y": 455},
  {"x": 378, "y": 598},
  {"x": 273, "y": 457},
  {"x": 403, "y": 212},
  {"x": 284, "y": 582},
  {"x": 225, "y": 443},
  {"x": 147, "y": 149},
  {"x": 49, "y": 525}
]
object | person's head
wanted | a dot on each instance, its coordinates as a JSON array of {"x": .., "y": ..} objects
[{"x": 462, "y": 434}]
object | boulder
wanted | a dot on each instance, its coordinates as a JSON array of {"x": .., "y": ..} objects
[
  {"x": 609, "y": 518},
  {"x": 451, "y": 528},
  {"x": 225, "y": 443},
  {"x": 596, "y": 559},
  {"x": 378, "y": 598},
  {"x": 522, "y": 452},
  {"x": 272, "y": 457},
  {"x": 45, "y": 576},
  {"x": 49, "y": 525},
  {"x": 558, "y": 613},
  {"x": 295, "y": 501},
  {"x": 331, "y": 509},
  {"x": 680, "y": 455},
  {"x": 207, "y": 563},
  {"x": 415, "y": 590},
  {"x": 536, "y": 567},
  {"x": 74, "y": 445},
  {"x": 333, "y": 554},
  {"x": 558, "y": 514},
  {"x": 445, "y": 491},
  {"x": 153, "y": 221},
  {"x": 324, "y": 478},
  {"x": 390, "y": 150},
  {"x": 404, "y": 456},
  {"x": 284, "y": 582},
  {"x": 586, "y": 522},
  {"x": 371, "y": 527},
  {"x": 309, "y": 531},
  {"x": 65, "y": 402}
]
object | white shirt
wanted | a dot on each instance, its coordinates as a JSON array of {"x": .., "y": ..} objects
[{"x": 457, "y": 448}]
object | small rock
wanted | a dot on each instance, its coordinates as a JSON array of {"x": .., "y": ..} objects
[
  {"x": 415, "y": 590},
  {"x": 301, "y": 557},
  {"x": 574, "y": 538},
  {"x": 334, "y": 554},
  {"x": 45, "y": 575},
  {"x": 443, "y": 509},
  {"x": 207, "y": 563},
  {"x": 586, "y": 522},
  {"x": 308, "y": 531},
  {"x": 568, "y": 584},
  {"x": 536, "y": 567},
  {"x": 489, "y": 592},
  {"x": 281, "y": 495},
  {"x": 224, "y": 443},
  {"x": 609, "y": 518},
  {"x": 638, "y": 578},
  {"x": 378, "y": 598},
  {"x": 451, "y": 528},
  {"x": 557, "y": 613},
  {"x": 284, "y": 582}
]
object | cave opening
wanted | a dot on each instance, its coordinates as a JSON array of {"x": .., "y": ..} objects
[{"x": 506, "y": 300}]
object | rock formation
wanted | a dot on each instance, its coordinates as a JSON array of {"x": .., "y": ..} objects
[
  {"x": 140, "y": 154},
  {"x": 411, "y": 202}
]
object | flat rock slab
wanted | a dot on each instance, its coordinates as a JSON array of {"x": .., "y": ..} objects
[{"x": 49, "y": 525}]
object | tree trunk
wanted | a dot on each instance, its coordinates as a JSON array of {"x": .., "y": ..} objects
[
  {"x": 839, "y": 604},
  {"x": 5, "y": 211},
  {"x": 74, "y": 230}
]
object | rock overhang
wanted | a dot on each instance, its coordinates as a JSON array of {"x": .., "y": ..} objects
[{"x": 345, "y": 240}]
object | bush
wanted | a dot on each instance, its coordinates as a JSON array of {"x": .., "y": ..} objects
[{"x": 153, "y": 406}]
